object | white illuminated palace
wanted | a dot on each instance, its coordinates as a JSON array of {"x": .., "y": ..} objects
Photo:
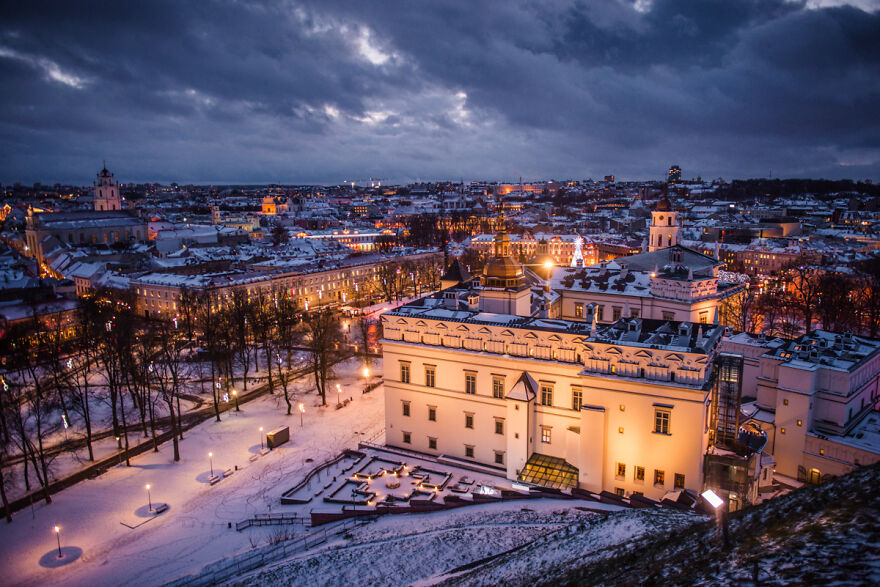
[{"x": 482, "y": 372}]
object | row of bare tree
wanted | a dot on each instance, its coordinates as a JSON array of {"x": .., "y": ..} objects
[
  {"x": 803, "y": 297},
  {"x": 110, "y": 361}
]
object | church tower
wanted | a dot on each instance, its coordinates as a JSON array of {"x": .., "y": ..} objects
[
  {"x": 107, "y": 192},
  {"x": 664, "y": 226}
]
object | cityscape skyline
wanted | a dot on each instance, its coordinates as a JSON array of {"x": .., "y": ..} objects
[{"x": 329, "y": 92}]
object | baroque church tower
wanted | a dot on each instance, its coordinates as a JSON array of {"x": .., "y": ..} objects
[{"x": 107, "y": 192}]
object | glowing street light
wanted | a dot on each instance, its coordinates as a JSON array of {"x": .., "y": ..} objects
[
  {"x": 58, "y": 537},
  {"x": 235, "y": 395},
  {"x": 712, "y": 498},
  {"x": 149, "y": 498},
  {"x": 211, "y": 458},
  {"x": 261, "y": 438},
  {"x": 338, "y": 391},
  {"x": 720, "y": 515},
  {"x": 302, "y": 410},
  {"x": 366, "y": 372}
]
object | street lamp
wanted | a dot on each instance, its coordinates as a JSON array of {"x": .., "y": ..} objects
[
  {"x": 58, "y": 537},
  {"x": 235, "y": 395},
  {"x": 302, "y": 410},
  {"x": 338, "y": 391},
  {"x": 716, "y": 502},
  {"x": 366, "y": 372},
  {"x": 149, "y": 499},
  {"x": 211, "y": 458},
  {"x": 261, "y": 438}
]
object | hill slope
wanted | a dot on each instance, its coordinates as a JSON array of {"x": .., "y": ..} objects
[{"x": 826, "y": 534}]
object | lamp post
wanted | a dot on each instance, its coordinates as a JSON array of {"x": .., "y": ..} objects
[
  {"x": 338, "y": 391},
  {"x": 149, "y": 498},
  {"x": 261, "y": 438},
  {"x": 211, "y": 458},
  {"x": 235, "y": 395},
  {"x": 302, "y": 410},
  {"x": 716, "y": 502},
  {"x": 58, "y": 537}
]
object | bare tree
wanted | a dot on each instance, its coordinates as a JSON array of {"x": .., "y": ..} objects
[
  {"x": 209, "y": 322},
  {"x": 82, "y": 363},
  {"x": 167, "y": 376},
  {"x": 238, "y": 312},
  {"x": 324, "y": 339},
  {"x": 803, "y": 283},
  {"x": 30, "y": 398}
]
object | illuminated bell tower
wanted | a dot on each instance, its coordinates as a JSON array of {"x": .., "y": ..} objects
[
  {"x": 664, "y": 226},
  {"x": 107, "y": 192}
]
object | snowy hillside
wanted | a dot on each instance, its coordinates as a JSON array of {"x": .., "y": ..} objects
[
  {"x": 819, "y": 535},
  {"x": 825, "y": 534}
]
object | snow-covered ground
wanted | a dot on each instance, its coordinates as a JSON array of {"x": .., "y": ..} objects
[
  {"x": 422, "y": 548},
  {"x": 193, "y": 532}
]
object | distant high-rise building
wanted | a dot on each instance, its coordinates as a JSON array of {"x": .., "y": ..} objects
[
  {"x": 674, "y": 174},
  {"x": 107, "y": 192}
]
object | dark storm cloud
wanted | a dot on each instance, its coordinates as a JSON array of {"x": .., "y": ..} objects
[{"x": 327, "y": 91}]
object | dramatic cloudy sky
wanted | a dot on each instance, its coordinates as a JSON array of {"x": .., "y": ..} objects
[{"x": 327, "y": 91}]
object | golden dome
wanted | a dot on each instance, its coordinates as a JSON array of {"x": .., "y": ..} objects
[{"x": 502, "y": 268}]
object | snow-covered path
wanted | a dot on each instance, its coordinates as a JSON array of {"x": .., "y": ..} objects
[{"x": 193, "y": 532}]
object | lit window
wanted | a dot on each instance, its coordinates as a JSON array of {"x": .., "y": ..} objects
[
  {"x": 659, "y": 477},
  {"x": 661, "y": 421},
  {"x": 545, "y": 434},
  {"x": 432, "y": 413},
  {"x": 470, "y": 383},
  {"x": 640, "y": 473},
  {"x": 782, "y": 430},
  {"x": 404, "y": 372},
  {"x": 498, "y": 387},
  {"x": 578, "y": 310},
  {"x": 546, "y": 395},
  {"x": 620, "y": 430},
  {"x": 679, "y": 481},
  {"x": 429, "y": 375},
  {"x": 621, "y": 470},
  {"x": 577, "y": 397},
  {"x": 619, "y": 491}
]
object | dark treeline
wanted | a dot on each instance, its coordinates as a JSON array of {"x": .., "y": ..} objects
[{"x": 743, "y": 189}]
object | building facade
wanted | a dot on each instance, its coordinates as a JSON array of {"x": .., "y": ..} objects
[{"x": 482, "y": 375}]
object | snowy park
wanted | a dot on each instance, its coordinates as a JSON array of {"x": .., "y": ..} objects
[{"x": 107, "y": 533}]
